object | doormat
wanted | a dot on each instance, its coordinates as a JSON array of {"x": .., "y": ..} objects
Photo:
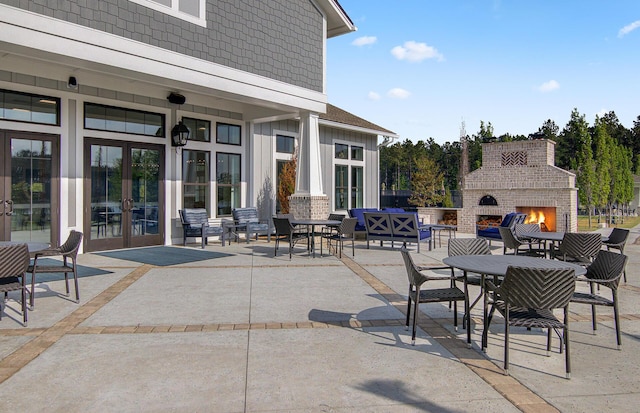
[{"x": 162, "y": 256}]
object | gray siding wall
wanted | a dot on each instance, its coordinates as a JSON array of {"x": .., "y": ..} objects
[{"x": 278, "y": 39}]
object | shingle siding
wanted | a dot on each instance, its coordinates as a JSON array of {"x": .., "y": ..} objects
[{"x": 277, "y": 39}]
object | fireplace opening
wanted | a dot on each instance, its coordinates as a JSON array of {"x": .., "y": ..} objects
[{"x": 544, "y": 216}]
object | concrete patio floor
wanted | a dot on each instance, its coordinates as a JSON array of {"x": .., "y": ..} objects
[{"x": 235, "y": 329}]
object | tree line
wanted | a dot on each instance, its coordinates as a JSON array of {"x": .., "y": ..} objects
[{"x": 604, "y": 156}]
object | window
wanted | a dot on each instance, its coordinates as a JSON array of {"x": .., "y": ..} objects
[
  {"x": 229, "y": 134},
  {"x": 114, "y": 119},
  {"x": 357, "y": 153},
  {"x": 26, "y": 107},
  {"x": 190, "y": 10},
  {"x": 228, "y": 180},
  {"x": 342, "y": 151},
  {"x": 348, "y": 176},
  {"x": 285, "y": 144},
  {"x": 195, "y": 179},
  {"x": 199, "y": 130},
  {"x": 341, "y": 187},
  {"x": 357, "y": 187}
]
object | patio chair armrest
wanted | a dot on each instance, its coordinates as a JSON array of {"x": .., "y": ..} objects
[
  {"x": 489, "y": 286},
  {"x": 439, "y": 267},
  {"x": 49, "y": 252}
]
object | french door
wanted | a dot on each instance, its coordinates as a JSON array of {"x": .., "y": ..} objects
[
  {"x": 29, "y": 178},
  {"x": 124, "y": 194}
]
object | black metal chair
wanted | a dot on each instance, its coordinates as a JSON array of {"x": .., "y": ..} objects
[
  {"x": 14, "y": 261},
  {"x": 417, "y": 295},
  {"x": 617, "y": 240},
  {"x": 287, "y": 232},
  {"x": 68, "y": 251},
  {"x": 346, "y": 231},
  {"x": 526, "y": 298},
  {"x": 605, "y": 271}
]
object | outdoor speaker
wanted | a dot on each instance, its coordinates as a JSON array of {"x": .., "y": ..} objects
[{"x": 176, "y": 98}]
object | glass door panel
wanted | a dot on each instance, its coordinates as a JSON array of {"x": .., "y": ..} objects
[
  {"x": 145, "y": 191},
  {"x": 105, "y": 212},
  {"x": 28, "y": 188}
]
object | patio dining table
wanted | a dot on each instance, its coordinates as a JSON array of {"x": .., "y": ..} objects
[
  {"x": 496, "y": 266},
  {"x": 32, "y": 246},
  {"x": 312, "y": 223}
]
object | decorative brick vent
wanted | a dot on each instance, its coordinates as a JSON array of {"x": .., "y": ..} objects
[{"x": 514, "y": 158}]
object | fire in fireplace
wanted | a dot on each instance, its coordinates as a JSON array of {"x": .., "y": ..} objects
[{"x": 544, "y": 216}]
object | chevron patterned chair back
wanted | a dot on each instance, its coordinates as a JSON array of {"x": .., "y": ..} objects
[
  {"x": 527, "y": 297},
  {"x": 14, "y": 260},
  {"x": 579, "y": 247}
]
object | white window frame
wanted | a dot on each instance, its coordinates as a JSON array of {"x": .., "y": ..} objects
[
  {"x": 349, "y": 163},
  {"x": 175, "y": 11}
]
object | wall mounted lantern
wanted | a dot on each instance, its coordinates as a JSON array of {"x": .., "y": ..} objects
[{"x": 179, "y": 135}]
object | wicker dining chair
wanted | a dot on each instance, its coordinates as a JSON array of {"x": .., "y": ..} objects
[
  {"x": 578, "y": 247},
  {"x": 68, "y": 251},
  {"x": 14, "y": 261},
  {"x": 470, "y": 246},
  {"x": 520, "y": 229},
  {"x": 418, "y": 295},
  {"x": 287, "y": 232},
  {"x": 346, "y": 231},
  {"x": 526, "y": 298},
  {"x": 510, "y": 242},
  {"x": 617, "y": 240},
  {"x": 606, "y": 271}
]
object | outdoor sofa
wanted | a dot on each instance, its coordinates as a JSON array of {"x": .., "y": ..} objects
[{"x": 395, "y": 227}]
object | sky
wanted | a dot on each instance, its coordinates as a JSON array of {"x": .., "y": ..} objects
[{"x": 421, "y": 68}]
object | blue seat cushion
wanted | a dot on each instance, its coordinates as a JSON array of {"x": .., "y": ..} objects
[
  {"x": 359, "y": 214},
  {"x": 393, "y": 210}
]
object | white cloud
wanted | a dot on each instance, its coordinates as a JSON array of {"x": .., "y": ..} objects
[
  {"x": 416, "y": 52},
  {"x": 364, "y": 41},
  {"x": 373, "y": 96},
  {"x": 548, "y": 86},
  {"x": 602, "y": 112},
  {"x": 629, "y": 28},
  {"x": 398, "y": 93}
]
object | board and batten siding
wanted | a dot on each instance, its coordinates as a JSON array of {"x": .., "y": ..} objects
[{"x": 262, "y": 156}]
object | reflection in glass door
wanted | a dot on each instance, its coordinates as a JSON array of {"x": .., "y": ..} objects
[
  {"x": 122, "y": 195},
  {"x": 28, "y": 188}
]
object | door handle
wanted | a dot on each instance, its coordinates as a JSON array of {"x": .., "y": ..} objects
[{"x": 9, "y": 202}]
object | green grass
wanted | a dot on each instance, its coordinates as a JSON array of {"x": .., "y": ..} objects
[{"x": 583, "y": 223}]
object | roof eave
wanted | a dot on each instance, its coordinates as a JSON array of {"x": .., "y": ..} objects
[
  {"x": 338, "y": 22},
  {"x": 360, "y": 129}
]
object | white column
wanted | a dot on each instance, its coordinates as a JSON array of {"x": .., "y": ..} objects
[{"x": 309, "y": 173}]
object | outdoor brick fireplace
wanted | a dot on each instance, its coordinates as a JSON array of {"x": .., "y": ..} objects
[{"x": 519, "y": 176}]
